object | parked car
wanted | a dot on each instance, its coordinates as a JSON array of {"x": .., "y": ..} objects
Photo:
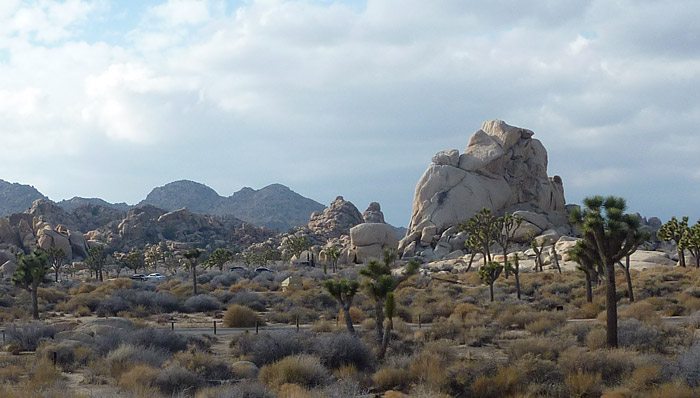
[
  {"x": 138, "y": 277},
  {"x": 260, "y": 270},
  {"x": 237, "y": 268},
  {"x": 155, "y": 275}
]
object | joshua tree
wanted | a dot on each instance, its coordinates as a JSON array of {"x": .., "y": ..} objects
[
  {"x": 333, "y": 254},
  {"x": 57, "y": 258},
  {"x": 515, "y": 269},
  {"x": 489, "y": 273},
  {"x": 555, "y": 256},
  {"x": 691, "y": 241},
  {"x": 135, "y": 260},
  {"x": 29, "y": 273},
  {"x": 612, "y": 235},
  {"x": 344, "y": 292},
  {"x": 390, "y": 313},
  {"x": 379, "y": 283},
  {"x": 192, "y": 256},
  {"x": 537, "y": 247},
  {"x": 219, "y": 257},
  {"x": 638, "y": 238},
  {"x": 96, "y": 260},
  {"x": 674, "y": 230},
  {"x": 506, "y": 227},
  {"x": 481, "y": 229},
  {"x": 297, "y": 245},
  {"x": 584, "y": 256}
]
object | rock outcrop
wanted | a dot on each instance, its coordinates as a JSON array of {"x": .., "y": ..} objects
[
  {"x": 373, "y": 214},
  {"x": 503, "y": 168},
  {"x": 336, "y": 219},
  {"x": 368, "y": 240}
]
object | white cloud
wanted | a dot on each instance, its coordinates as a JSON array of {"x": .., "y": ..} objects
[{"x": 240, "y": 98}]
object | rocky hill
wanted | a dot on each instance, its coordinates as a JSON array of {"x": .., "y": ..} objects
[
  {"x": 274, "y": 206},
  {"x": 16, "y": 198},
  {"x": 76, "y": 201}
]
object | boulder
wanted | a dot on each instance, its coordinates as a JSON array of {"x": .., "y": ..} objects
[
  {"x": 373, "y": 214},
  {"x": 50, "y": 239},
  {"x": 78, "y": 244},
  {"x": 370, "y": 239},
  {"x": 7, "y": 234},
  {"x": 538, "y": 220},
  {"x": 526, "y": 231},
  {"x": 244, "y": 370},
  {"x": 448, "y": 157},
  {"x": 503, "y": 168}
]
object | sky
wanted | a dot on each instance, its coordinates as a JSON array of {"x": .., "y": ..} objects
[{"x": 110, "y": 99}]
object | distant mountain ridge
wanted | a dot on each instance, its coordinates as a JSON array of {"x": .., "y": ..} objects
[
  {"x": 16, "y": 198},
  {"x": 274, "y": 206}
]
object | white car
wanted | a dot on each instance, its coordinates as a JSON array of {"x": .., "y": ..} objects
[{"x": 155, "y": 276}]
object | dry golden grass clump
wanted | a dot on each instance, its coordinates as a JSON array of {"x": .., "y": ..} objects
[{"x": 238, "y": 316}]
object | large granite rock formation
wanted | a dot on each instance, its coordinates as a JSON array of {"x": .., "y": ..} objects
[
  {"x": 370, "y": 239},
  {"x": 336, "y": 219},
  {"x": 503, "y": 168}
]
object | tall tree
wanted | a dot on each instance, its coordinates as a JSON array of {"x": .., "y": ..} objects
[
  {"x": 297, "y": 244},
  {"x": 192, "y": 257},
  {"x": 585, "y": 257},
  {"x": 96, "y": 260},
  {"x": 611, "y": 232},
  {"x": 135, "y": 260},
  {"x": 219, "y": 258},
  {"x": 344, "y": 292},
  {"x": 390, "y": 313},
  {"x": 489, "y": 273},
  {"x": 57, "y": 257},
  {"x": 333, "y": 254},
  {"x": 515, "y": 269},
  {"x": 537, "y": 247},
  {"x": 505, "y": 229},
  {"x": 481, "y": 230},
  {"x": 675, "y": 230},
  {"x": 379, "y": 283},
  {"x": 638, "y": 239},
  {"x": 30, "y": 272},
  {"x": 691, "y": 242}
]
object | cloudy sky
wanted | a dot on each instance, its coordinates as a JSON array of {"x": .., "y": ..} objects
[{"x": 111, "y": 98}]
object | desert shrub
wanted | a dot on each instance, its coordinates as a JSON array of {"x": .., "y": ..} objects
[
  {"x": 673, "y": 390},
  {"x": 304, "y": 370},
  {"x": 478, "y": 336},
  {"x": 687, "y": 366},
  {"x": 251, "y": 300},
  {"x": 43, "y": 376},
  {"x": 613, "y": 365},
  {"x": 270, "y": 347},
  {"x": 392, "y": 379},
  {"x": 245, "y": 389},
  {"x": 344, "y": 389},
  {"x": 539, "y": 371},
  {"x": 238, "y": 316},
  {"x": 545, "y": 348},
  {"x": 589, "y": 311},
  {"x": 202, "y": 303},
  {"x": 125, "y": 356},
  {"x": 226, "y": 279},
  {"x": 176, "y": 379},
  {"x": 11, "y": 373},
  {"x": 163, "y": 339},
  {"x": 543, "y": 325},
  {"x": 597, "y": 338},
  {"x": 428, "y": 367},
  {"x": 29, "y": 335},
  {"x": 578, "y": 330},
  {"x": 140, "y": 377},
  {"x": 641, "y": 310},
  {"x": 67, "y": 355},
  {"x": 85, "y": 288},
  {"x": 206, "y": 366},
  {"x": 633, "y": 333},
  {"x": 645, "y": 377},
  {"x": 338, "y": 349},
  {"x": 51, "y": 295},
  {"x": 111, "y": 306},
  {"x": 166, "y": 302},
  {"x": 584, "y": 385},
  {"x": 507, "y": 381}
]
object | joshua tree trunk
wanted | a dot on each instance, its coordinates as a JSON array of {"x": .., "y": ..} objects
[
  {"x": 556, "y": 259},
  {"x": 386, "y": 339},
  {"x": 517, "y": 283},
  {"x": 35, "y": 300},
  {"x": 471, "y": 260},
  {"x": 505, "y": 263},
  {"x": 194, "y": 280},
  {"x": 56, "y": 271},
  {"x": 348, "y": 320},
  {"x": 379, "y": 317},
  {"x": 630, "y": 292},
  {"x": 589, "y": 288},
  {"x": 611, "y": 305},
  {"x": 681, "y": 257},
  {"x": 491, "y": 290}
]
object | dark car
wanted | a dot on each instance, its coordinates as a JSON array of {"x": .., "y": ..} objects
[
  {"x": 237, "y": 268},
  {"x": 260, "y": 270},
  {"x": 138, "y": 277}
]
